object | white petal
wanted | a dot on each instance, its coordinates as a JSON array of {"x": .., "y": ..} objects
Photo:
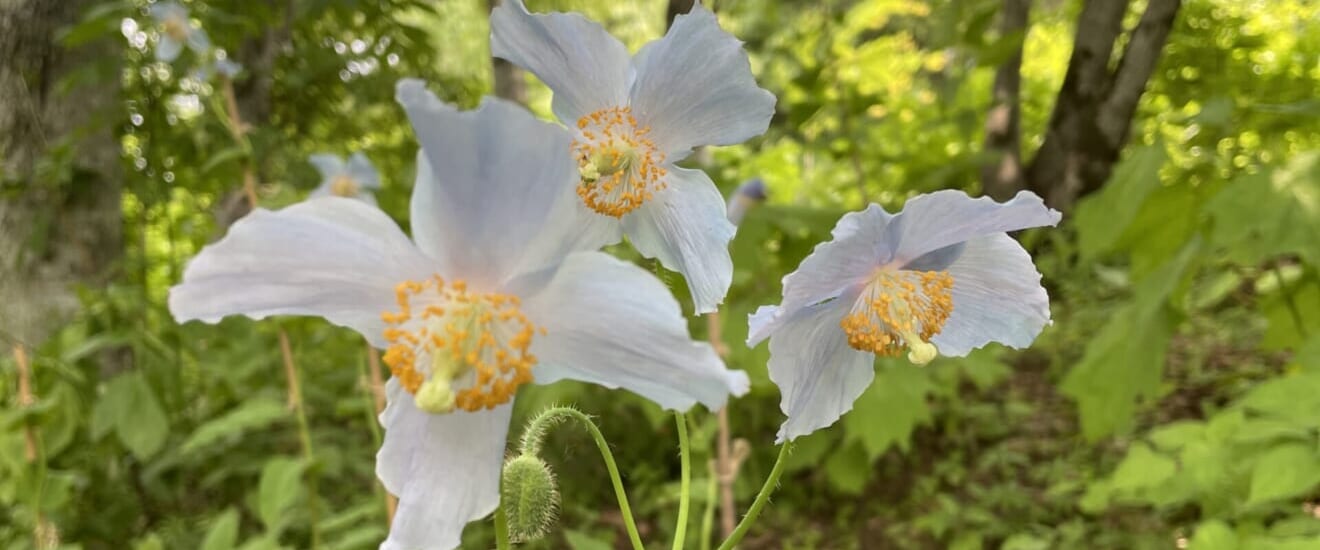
[
  {"x": 695, "y": 87},
  {"x": 685, "y": 226},
  {"x": 363, "y": 173},
  {"x": 818, "y": 374},
  {"x": 570, "y": 227},
  {"x": 997, "y": 297},
  {"x": 330, "y": 257},
  {"x": 611, "y": 323},
  {"x": 198, "y": 40},
  {"x": 488, "y": 183},
  {"x": 935, "y": 220},
  {"x": 445, "y": 469},
  {"x": 161, "y": 11},
  {"x": 833, "y": 267},
  {"x": 585, "y": 67},
  {"x": 329, "y": 166},
  {"x": 168, "y": 49}
]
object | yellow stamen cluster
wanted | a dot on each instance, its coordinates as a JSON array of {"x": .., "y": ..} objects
[
  {"x": 900, "y": 309},
  {"x": 176, "y": 28},
  {"x": 452, "y": 348},
  {"x": 343, "y": 186},
  {"x": 620, "y": 167}
]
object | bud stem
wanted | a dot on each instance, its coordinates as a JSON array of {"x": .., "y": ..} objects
[
  {"x": 685, "y": 493},
  {"x": 771, "y": 483},
  {"x": 501, "y": 529},
  {"x": 531, "y": 445}
]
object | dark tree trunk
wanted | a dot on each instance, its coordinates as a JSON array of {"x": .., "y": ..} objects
[
  {"x": 60, "y": 169},
  {"x": 675, "y": 9},
  {"x": 1091, "y": 118},
  {"x": 1001, "y": 176},
  {"x": 509, "y": 83}
]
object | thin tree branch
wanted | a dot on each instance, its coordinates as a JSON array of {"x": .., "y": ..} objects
[{"x": 1002, "y": 177}]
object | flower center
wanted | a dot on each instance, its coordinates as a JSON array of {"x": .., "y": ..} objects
[
  {"x": 900, "y": 309},
  {"x": 620, "y": 167},
  {"x": 343, "y": 186},
  {"x": 176, "y": 28},
  {"x": 452, "y": 348}
]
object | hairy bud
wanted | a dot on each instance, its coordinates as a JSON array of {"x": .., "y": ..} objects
[{"x": 530, "y": 498}]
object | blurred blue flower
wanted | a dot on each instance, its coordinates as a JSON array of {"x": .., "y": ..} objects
[
  {"x": 355, "y": 179},
  {"x": 940, "y": 277},
  {"x": 176, "y": 31}
]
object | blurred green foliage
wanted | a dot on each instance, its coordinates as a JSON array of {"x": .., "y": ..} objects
[{"x": 1175, "y": 400}]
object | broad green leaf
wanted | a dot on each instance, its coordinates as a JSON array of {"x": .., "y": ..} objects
[
  {"x": 1294, "y": 397},
  {"x": 223, "y": 534},
  {"x": 280, "y": 487},
  {"x": 1291, "y": 312},
  {"x": 1124, "y": 361},
  {"x": 1265, "y": 215},
  {"x": 890, "y": 408},
  {"x": 129, "y": 406},
  {"x": 1102, "y": 217},
  {"x": 1025, "y": 541},
  {"x": 254, "y": 414},
  {"x": 1142, "y": 468},
  {"x": 848, "y": 469},
  {"x": 1176, "y": 435},
  {"x": 578, "y": 540},
  {"x": 1285, "y": 471},
  {"x": 1214, "y": 535}
]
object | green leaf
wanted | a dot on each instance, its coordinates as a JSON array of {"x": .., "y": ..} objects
[
  {"x": 230, "y": 154},
  {"x": 281, "y": 484},
  {"x": 1102, "y": 217},
  {"x": 1141, "y": 469},
  {"x": 130, "y": 407},
  {"x": 1214, "y": 535},
  {"x": 1124, "y": 361},
  {"x": 1265, "y": 215},
  {"x": 848, "y": 470},
  {"x": 1285, "y": 471},
  {"x": 578, "y": 540},
  {"x": 890, "y": 408},
  {"x": 1176, "y": 435},
  {"x": 223, "y": 534},
  {"x": 250, "y": 415}
]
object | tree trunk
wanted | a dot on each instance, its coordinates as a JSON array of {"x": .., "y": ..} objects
[
  {"x": 60, "y": 221},
  {"x": 1001, "y": 176},
  {"x": 1091, "y": 118},
  {"x": 509, "y": 83},
  {"x": 675, "y": 9}
]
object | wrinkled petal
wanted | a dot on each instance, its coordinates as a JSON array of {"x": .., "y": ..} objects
[
  {"x": 161, "y": 11},
  {"x": 832, "y": 268},
  {"x": 168, "y": 49},
  {"x": 611, "y": 323},
  {"x": 997, "y": 297},
  {"x": 487, "y": 181},
  {"x": 585, "y": 67},
  {"x": 330, "y": 257},
  {"x": 328, "y": 165},
  {"x": 361, "y": 170},
  {"x": 198, "y": 40},
  {"x": 445, "y": 469},
  {"x": 935, "y": 220},
  {"x": 570, "y": 227},
  {"x": 695, "y": 87},
  {"x": 818, "y": 374},
  {"x": 686, "y": 228}
]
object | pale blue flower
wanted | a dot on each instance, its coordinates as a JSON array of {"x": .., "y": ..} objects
[
  {"x": 176, "y": 31},
  {"x": 941, "y": 277},
  {"x": 493, "y": 290},
  {"x": 223, "y": 67},
  {"x": 635, "y": 117},
  {"x": 355, "y": 179}
]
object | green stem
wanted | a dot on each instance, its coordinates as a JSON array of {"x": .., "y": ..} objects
[
  {"x": 501, "y": 529},
  {"x": 771, "y": 483},
  {"x": 708, "y": 517},
  {"x": 531, "y": 445},
  {"x": 685, "y": 493}
]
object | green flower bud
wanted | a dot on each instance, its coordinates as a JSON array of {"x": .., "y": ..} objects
[{"x": 530, "y": 498}]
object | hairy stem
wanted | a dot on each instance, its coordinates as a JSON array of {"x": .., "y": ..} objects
[
  {"x": 685, "y": 493},
  {"x": 771, "y": 483}
]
